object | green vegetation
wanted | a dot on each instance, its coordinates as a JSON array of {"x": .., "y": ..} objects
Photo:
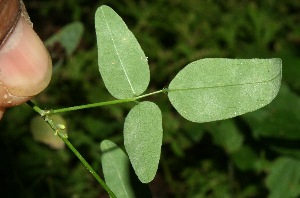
[{"x": 242, "y": 157}]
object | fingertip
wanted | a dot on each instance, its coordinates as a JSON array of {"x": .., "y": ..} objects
[
  {"x": 25, "y": 64},
  {"x": 1, "y": 113},
  {"x": 8, "y": 100}
]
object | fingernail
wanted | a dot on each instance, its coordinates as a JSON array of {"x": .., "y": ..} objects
[{"x": 9, "y": 15}]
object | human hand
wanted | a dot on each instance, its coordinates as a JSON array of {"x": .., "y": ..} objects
[{"x": 25, "y": 64}]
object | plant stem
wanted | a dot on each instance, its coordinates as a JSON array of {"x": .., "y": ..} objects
[
  {"x": 88, "y": 166},
  {"x": 44, "y": 115},
  {"x": 149, "y": 94},
  {"x": 99, "y": 104}
]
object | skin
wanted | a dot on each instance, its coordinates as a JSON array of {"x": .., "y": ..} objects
[{"x": 25, "y": 66}]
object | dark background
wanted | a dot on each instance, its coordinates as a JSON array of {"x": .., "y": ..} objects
[{"x": 254, "y": 155}]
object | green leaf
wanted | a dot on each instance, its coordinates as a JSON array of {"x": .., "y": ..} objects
[
  {"x": 143, "y": 139},
  {"x": 69, "y": 37},
  {"x": 283, "y": 179},
  {"x": 245, "y": 158},
  {"x": 291, "y": 152},
  {"x": 215, "y": 89},
  {"x": 278, "y": 120},
  {"x": 226, "y": 134},
  {"x": 122, "y": 62},
  {"x": 115, "y": 165}
]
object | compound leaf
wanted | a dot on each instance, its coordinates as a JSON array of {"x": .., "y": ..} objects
[
  {"x": 143, "y": 139},
  {"x": 215, "y": 89},
  {"x": 122, "y": 62}
]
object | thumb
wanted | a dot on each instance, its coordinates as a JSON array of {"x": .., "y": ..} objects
[
  {"x": 1, "y": 113},
  {"x": 25, "y": 66}
]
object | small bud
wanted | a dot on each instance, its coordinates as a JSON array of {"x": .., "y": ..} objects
[{"x": 61, "y": 126}]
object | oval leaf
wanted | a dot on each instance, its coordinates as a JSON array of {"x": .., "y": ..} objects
[
  {"x": 122, "y": 62},
  {"x": 69, "y": 37},
  {"x": 143, "y": 139},
  {"x": 215, "y": 89},
  {"x": 118, "y": 173},
  {"x": 115, "y": 165}
]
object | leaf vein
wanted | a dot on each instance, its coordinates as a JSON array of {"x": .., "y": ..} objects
[
  {"x": 229, "y": 85},
  {"x": 119, "y": 57}
]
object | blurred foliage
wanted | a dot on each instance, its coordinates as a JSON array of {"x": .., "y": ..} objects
[{"x": 255, "y": 155}]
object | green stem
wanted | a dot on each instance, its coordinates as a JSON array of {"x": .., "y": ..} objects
[
  {"x": 149, "y": 94},
  {"x": 69, "y": 144},
  {"x": 45, "y": 115},
  {"x": 88, "y": 166},
  {"x": 99, "y": 104}
]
